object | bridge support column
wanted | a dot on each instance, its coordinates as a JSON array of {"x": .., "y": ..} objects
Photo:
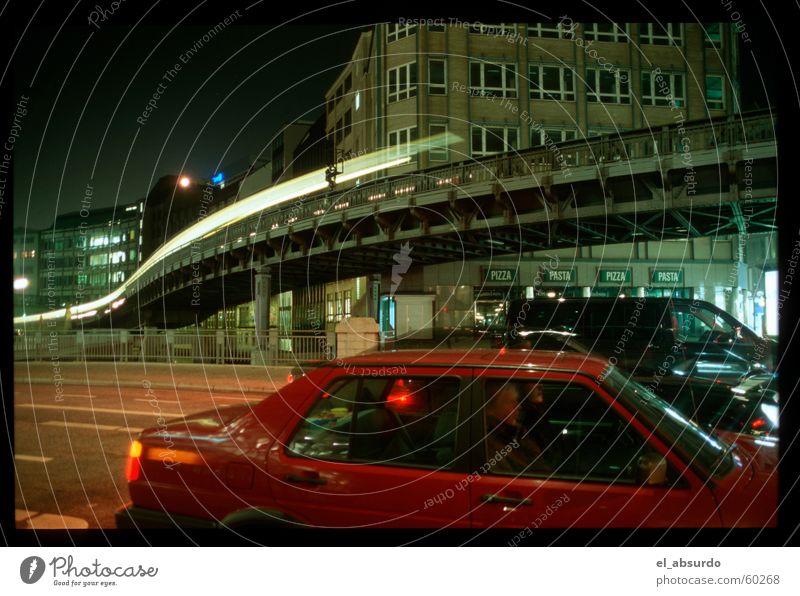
[
  {"x": 263, "y": 291},
  {"x": 373, "y": 305}
]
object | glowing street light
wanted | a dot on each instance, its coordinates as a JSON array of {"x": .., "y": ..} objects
[
  {"x": 21, "y": 283},
  {"x": 184, "y": 182}
]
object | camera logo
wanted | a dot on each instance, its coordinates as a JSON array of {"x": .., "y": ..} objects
[{"x": 31, "y": 570}]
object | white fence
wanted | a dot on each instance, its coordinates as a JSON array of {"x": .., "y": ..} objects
[{"x": 207, "y": 347}]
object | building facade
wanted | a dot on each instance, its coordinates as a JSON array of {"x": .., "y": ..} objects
[
  {"x": 514, "y": 86},
  {"x": 26, "y": 271},
  {"x": 87, "y": 254}
]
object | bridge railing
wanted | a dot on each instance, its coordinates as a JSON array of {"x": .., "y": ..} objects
[
  {"x": 200, "y": 346},
  {"x": 743, "y": 130}
]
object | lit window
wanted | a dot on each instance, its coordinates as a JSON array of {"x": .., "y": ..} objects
[
  {"x": 493, "y": 139},
  {"x": 402, "y": 82},
  {"x": 605, "y": 31},
  {"x": 658, "y": 89},
  {"x": 608, "y": 87},
  {"x": 715, "y": 92},
  {"x": 551, "y": 30},
  {"x": 358, "y": 100},
  {"x": 402, "y": 138},
  {"x": 395, "y": 31},
  {"x": 713, "y": 35},
  {"x": 663, "y": 34},
  {"x": 487, "y": 78},
  {"x": 552, "y": 82},
  {"x": 437, "y": 76},
  {"x": 545, "y": 136},
  {"x": 499, "y": 30}
]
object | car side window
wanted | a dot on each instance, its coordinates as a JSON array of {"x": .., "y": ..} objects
[
  {"x": 700, "y": 324},
  {"x": 409, "y": 421},
  {"x": 558, "y": 430}
]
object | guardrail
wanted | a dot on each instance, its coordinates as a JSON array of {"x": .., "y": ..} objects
[
  {"x": 201, "y": 346},
  {"x": 666, "y": 141}
]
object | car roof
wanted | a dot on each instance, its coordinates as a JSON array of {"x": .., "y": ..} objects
[{"x": 484, "y": 358}]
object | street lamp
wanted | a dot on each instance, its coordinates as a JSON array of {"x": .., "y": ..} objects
[
  {"x": 21, "y": 283},
  {"x": 184, "y": 182}
]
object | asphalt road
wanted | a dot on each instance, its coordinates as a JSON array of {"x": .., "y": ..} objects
[{"x": 70, "y": 454}]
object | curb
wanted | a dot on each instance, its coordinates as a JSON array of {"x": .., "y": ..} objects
[{"x": 263, "y": 389}]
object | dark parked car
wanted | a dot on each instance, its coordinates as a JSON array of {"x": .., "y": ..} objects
[
  {"x": 643, "y": 335},
  {"x": 450, "y": 438},
  {"x": 718, "y": 407}
]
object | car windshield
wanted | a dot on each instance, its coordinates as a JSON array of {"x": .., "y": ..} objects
[{"x": 709, "y": 455}]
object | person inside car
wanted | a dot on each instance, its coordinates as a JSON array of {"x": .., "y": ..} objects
[{"x": 509, "y": 448}]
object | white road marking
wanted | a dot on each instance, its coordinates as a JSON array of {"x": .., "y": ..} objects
[
  {"x": 35, "y": 458},
  {"x": 89, "y": 426},
  {"x": 153, "y": 412}
]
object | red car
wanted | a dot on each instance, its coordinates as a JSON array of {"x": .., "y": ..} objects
[{"x": 469, "y": 439}]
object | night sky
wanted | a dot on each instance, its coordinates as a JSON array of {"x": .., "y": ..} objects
[
  {"x": 87, "y": 85},
  {"x": 224, "y": 104}
]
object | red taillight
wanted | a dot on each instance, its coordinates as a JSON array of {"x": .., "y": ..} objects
[
  {"x": 758, "y": 423},
  {"x": 289, "y": 378},
  {"x": 134, "y": 467}
]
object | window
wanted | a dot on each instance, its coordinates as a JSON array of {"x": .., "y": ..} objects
[
  {"x": 339, "y": 129},
  {"x": 98, "y": 260},
  {"x": 395, "y": 31},
  {"x": 118, "y": 276},
  {"x": 339, "y": 312},
  {"x": 662, "y": 34},
  {"x": 499, "y": 30},
  {"x": 552, "y": 30},
  {"x": 552, "y": 82},
  {"x": 401, "y": 138},
  {"x": 329, "y": 302},
  {"x": 348, "y": 302},
  {"x": 608, "y": 87},
  {"x": 438, "y": 153},
  {"x": 402, "y": 82},
  {"x": 715, "y": 92},
  {"x": 605, "y": 31},
  {"x": 348, "y": 122},
  {"x": 658, "y": 89},
  {"x": 493, "y": 139},
  {"x": 437, "y": 76},
  {"x": 544, "y": 136},
  {"x": 702, "y": 325},
  {"x": 348, "y": 83},
  {"x": 712, "y": 38},
  {"x": 393, "y": 421},
  {"x": 358, "y": 100},
  {"x": 558, "y": 430},
  {"x": 487, "y": 78}
]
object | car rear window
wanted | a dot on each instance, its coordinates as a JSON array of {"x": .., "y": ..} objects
[{"x": 703, "y": 452}]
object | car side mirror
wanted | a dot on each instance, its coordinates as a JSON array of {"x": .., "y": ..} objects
[{"x": 651, "y": 470}]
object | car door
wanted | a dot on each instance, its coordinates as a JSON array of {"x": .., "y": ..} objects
[
  {"x": 377, "y": 448},
  {"x": 576, "y": 459}
]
